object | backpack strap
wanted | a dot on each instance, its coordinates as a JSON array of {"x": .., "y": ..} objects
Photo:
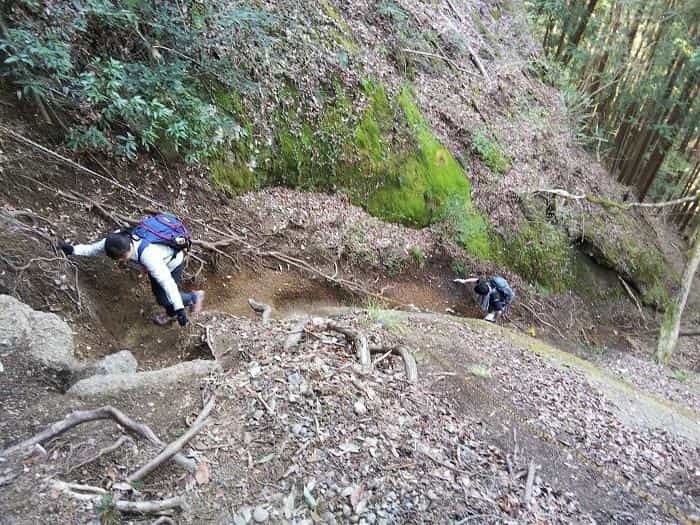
[{"x": 142, "y": 246}]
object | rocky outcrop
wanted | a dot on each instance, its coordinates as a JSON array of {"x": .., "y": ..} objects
[
  {"x": 44, "y": 337},
  {"x": 156, "y": 379}
]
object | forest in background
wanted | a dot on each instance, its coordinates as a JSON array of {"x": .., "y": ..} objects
[{"x": 633, "y": 66}]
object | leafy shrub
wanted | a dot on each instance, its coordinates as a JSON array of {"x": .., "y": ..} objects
[{"x": 123, "y": 72}]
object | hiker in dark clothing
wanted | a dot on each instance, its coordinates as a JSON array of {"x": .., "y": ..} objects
[
  {"x": 493, "y": 295},
  {"x": 157, "y": 246}
]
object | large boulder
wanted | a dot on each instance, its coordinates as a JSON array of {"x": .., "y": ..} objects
[
  {"x": 98, "y": 385},
  {"x": 44, "y": 337}
]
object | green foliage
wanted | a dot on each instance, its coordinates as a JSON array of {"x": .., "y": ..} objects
[
  {"x": 122, "y": 72},
  {"x": 458, "y": 267},
  {"x": 681, "y": 375},
  {"x": 109, "y": 515},
  {"x": 468, "y": 228},
  {"x": 480, "y": 371},
  {"x": 490, "y": 152},
  {"x": 417, "y": 255},
  {"x": 541, "y": 252}
]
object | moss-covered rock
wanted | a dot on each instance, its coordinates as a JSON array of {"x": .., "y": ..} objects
[
  {"x": 623, "y": 242},
  {"x": 385, "y": 157}
]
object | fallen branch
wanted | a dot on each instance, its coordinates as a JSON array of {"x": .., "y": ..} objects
[
  {"x": 262, "y": 308},
  {"x": 632, "y": 296},
  {"x": 536, "y": 316},
  {"x": 472, "y": 53},
  {"x": 529, "y": 483},
  {"x": 606, "y": 203},
  {"x": 690, "y": 334},
  {"x": 95, "y": 494},
  {"x": 441, "y": 57},
  {"x": 173, "y": 448},
  {"x": 84, "y": 416}
]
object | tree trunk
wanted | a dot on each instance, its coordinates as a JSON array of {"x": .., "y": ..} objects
[
  {"x": 580, "y": 29},
  {"x": 670, "y": 328}
]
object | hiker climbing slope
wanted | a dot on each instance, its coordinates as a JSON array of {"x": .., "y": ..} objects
[
  {"x": 157, "y": 245},
  {"x": 493, "y": 295}
]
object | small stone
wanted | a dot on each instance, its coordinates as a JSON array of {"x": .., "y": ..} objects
[
  {"x": 238, "y": 520},
  {"x": 260, "y": 515},
  {"x": 371, "y": 518},
  {"x": 295, "y": 379},
  {"x": 360, "y": 408},
  {"x": 347, "y": 511}
]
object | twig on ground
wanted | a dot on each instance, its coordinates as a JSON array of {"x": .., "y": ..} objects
[
  {"x": 83, "y": 416},
  {"x": 441, "y": 57},
  {"x": 606, "y": 203},
  {"x": 106, "y": 450},
  {"x": 472, "y": 53},
  {"x": 174, "y": 448},
  {"x": 529, "y": 483},
  {"x": 546, "y": 323},
  {"x": 632, "y": 296}
]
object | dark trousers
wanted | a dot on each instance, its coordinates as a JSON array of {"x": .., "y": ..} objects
[{"x": 162, "y": 298}]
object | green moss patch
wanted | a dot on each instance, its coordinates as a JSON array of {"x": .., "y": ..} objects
[
  {"x": 541, "y": 252},
  {"x": 489, "y": 151}
]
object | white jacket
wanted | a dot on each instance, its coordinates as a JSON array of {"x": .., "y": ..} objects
[{"x": 157, "y": 259}]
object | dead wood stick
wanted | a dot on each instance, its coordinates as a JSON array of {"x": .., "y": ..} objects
[
  {"x": 632, "y": 296},
  {"x": 472, "y": 53},
  {"x": 262, "y": 308},
  {"x": 542, "y": 320},
  {"x": 174, "y": 447},
  {"x": 382, "y": 357},
  {"x": 529, "y": 483},
  {"x": 83, "y": 416},
  {"x": 95, "y": 494},
  {"x": 441, "y": 57},
  {"x": 106, "y": 450},
  {"x": 606, "y": 203},
  {"x": 690, "y": 334}
]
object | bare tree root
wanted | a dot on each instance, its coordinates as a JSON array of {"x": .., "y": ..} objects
[
  {"x": 173, "y": 448},
  {"x": 409, "y": 362},
  {"x": 95, "y": 494},
  {"x": 358, "y": 339},
  {"x": 263, "y": 309},
  {"x": 296, "y": 334},
  {"x": 83, "y": 416}
]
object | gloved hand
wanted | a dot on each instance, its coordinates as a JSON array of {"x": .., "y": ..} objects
[
  {"x": 65, "y": 247},
  {"x": 181, "y": 317}
]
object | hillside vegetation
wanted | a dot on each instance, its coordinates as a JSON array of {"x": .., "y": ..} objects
[{"x": 390, "y": 103}]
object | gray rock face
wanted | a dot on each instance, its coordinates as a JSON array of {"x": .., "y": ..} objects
[
  {"x": 45, "y": 337},
  {"x": 115, "y": 383},
  {"x": 122, "y": 362}
]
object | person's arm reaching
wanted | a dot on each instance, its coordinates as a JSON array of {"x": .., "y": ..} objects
[
  {"x": 466, "y": 281},
  {"x": 87, "y": 250}
]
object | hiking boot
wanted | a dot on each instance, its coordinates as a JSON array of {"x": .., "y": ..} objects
[
  {"x": 163, "y": 319},
  {"x": 198, "y": 303},
  {"x": 491, "y": 317}
]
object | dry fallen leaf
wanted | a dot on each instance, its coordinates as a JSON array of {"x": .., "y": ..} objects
[{"x": 202, "y": 474}]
